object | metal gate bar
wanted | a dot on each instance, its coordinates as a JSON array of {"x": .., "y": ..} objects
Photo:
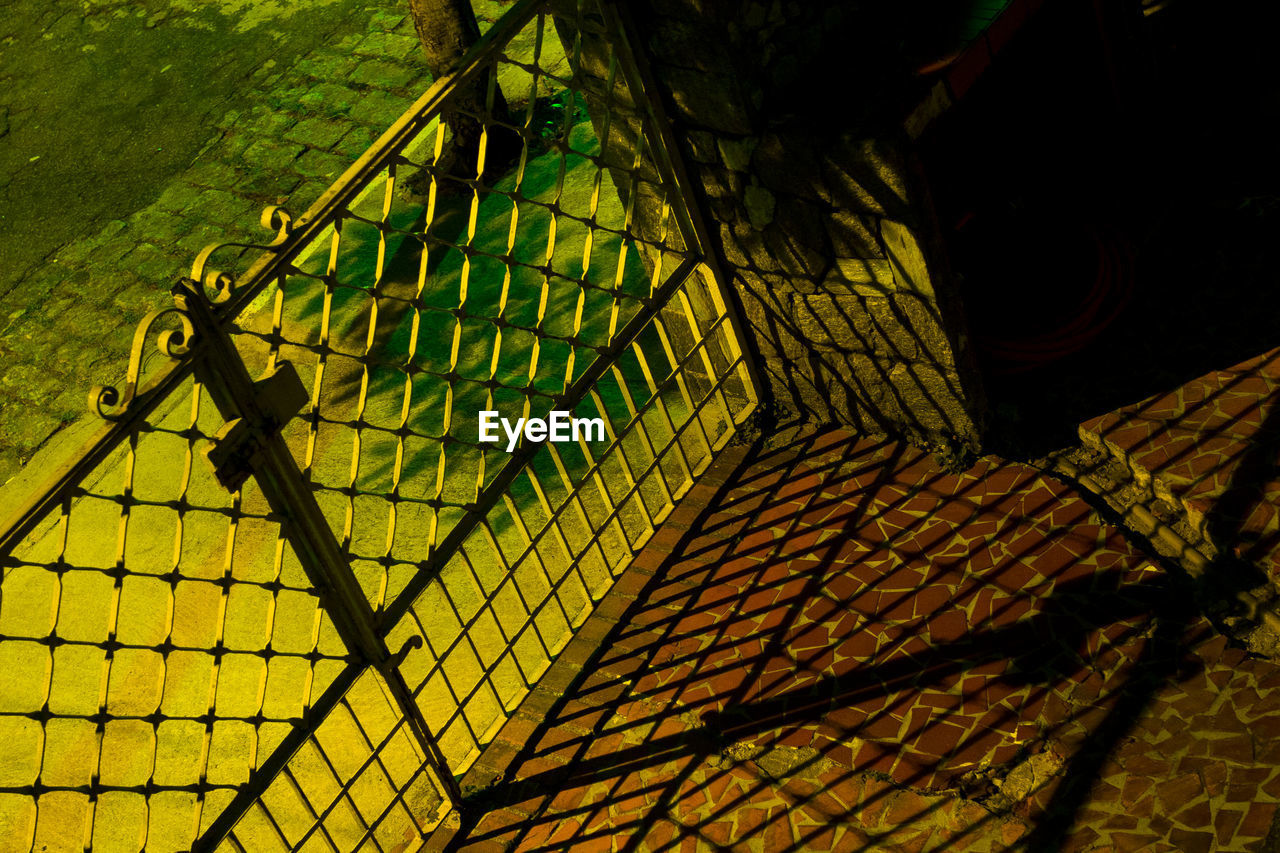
[
  {"x": 533, "y": 540},
  {"x": 222, "y": 371}
]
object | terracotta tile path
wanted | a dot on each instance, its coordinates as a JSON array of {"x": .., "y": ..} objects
[
  {"x": 836, "y": 646},
  {"x": 1213, "y": 445}
]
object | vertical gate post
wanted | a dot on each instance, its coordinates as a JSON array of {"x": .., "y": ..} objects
[
  {"x": 669, "y": 160},
  {"x": 251, "y": 445}
]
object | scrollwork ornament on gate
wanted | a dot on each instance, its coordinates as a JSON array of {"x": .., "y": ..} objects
[
  {"x": 107, "y": 401},
  {"x": 219, "y": 285}
]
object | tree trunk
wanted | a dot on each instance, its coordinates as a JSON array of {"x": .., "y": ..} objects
[{"x": 447, "y": 29}]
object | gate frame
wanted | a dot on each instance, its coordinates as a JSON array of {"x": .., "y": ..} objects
[{"x": 208, "y": 303}]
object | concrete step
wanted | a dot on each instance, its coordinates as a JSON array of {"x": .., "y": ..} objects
[{"x": 1211, "y": 449}]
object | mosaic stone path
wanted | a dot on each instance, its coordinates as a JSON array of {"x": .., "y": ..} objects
[
  {"x": 1213, "y": 446},
  {"x": 843, "y": 648}
]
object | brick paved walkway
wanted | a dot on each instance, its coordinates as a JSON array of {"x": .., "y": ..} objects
[
  {"x": 850, "y": 650},
  {"x": 1211, "y": 447}
]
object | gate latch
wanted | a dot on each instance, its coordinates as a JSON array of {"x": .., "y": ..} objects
[{"x": 237, "y": 448}]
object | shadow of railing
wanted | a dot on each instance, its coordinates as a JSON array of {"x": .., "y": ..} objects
[{"x": 820, "y": 618}]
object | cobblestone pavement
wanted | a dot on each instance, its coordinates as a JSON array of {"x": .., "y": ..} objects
[
  {"x": 67, "y": 322},
  {"x": 1212, "y": 448},
  {"x": 851, "y": 650}
]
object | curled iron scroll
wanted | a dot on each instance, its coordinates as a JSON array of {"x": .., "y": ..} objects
[
  {"x": 220, "y": 285},
  {"x": 107, "y": 400}
]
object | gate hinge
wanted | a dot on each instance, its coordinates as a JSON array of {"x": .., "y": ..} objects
[{"x": 236, "y": 451}]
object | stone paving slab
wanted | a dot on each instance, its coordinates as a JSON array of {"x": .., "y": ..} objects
[
  {"x": 1211, "y": 447},
  {"x": 851, "y": 650}
]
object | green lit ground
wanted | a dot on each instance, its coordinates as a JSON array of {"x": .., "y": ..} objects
[{"x": 105, "y": 102}]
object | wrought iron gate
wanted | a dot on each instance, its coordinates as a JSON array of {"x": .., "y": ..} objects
[{"x": 303, "y": 644}]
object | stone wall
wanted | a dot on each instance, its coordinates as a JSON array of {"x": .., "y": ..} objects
[{"x": 806, "y": 182}]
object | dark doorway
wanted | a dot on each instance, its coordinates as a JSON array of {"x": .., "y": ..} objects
[{"x": 1110, "y": 205}]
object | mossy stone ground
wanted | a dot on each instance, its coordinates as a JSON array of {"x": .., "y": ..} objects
[
  {"x": 107, "y": 101},
  {"x": 134, "y": 134}
]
